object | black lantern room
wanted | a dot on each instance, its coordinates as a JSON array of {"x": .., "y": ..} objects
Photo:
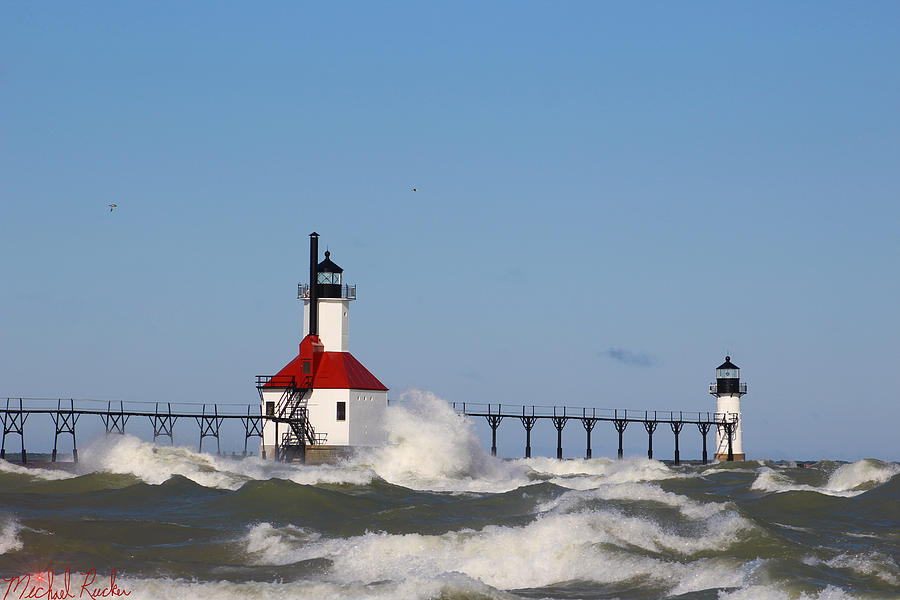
[
  {"x": 328, "y": 278},
  {"x": 728, "y": 379}
]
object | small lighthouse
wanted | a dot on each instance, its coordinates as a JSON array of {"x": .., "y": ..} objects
[
  {"x": 324, "y": 403},
  {"x": 728, "y": 390}
]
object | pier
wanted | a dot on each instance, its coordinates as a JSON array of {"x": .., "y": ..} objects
[
  {"x": 589, "y": 417},
  {"x": 65, "y": 413}
]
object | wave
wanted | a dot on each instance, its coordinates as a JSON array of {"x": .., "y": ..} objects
[
  {"x": 34, "y": 473},
  {"x": 155, "y": 464},
  {"x": 451, "y": 586},
  {"x": 448, "y": 587},
  {"x": 871, "y": 563},
  {"x": 861, "y": 475},
  {"x": 602, "y": 545},
  {"x": 846, "y": 481},
  {"x": 636, "y": 492},
  {"x": 9, "y": 534},
  {"x": 433, "y": 448},
  {"x": 770, "y": 592}
]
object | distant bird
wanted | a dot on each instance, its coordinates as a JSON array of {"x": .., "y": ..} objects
[
  {"x": 112, "y": 207},
  {"x": 415, "y": 189}
]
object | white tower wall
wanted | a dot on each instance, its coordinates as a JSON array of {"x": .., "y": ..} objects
[
  {"x": 322, "y": 407},
  {"x": 363, "y": 423},
  {"x": 729, "y": 404},
  {"x": 334, "y": 323},
  {"x": 367, "y": 412}
]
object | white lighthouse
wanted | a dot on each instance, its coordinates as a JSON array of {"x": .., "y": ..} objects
[
  {"x": 728, "y": 390},
  {"x": 324, "y": 403}
]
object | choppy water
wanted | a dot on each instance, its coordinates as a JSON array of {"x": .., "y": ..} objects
[{"x": 434, "y": 516}]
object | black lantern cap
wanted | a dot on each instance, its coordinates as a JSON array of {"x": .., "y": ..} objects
[
  {"x": 727, "y": 364},
  {"x": 328, "y": 266}
]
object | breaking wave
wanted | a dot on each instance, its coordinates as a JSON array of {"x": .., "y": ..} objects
[
  {"x": 9, "y": 534},
  {"x": 45, "y": 474},
  {"x": 846, "y": 480},
  {"x": 155, "y": 464},
  {"x": 591, "y": 546}
]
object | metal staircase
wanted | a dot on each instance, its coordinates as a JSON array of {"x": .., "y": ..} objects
[{"x": 291, "y": 409}]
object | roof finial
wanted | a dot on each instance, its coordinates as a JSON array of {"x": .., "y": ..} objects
[{"x": 327, "y": 254}]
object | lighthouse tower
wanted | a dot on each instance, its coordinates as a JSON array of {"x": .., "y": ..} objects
[
  {"x": 728, "y": 390},
  {"x": 324, "y": 403}
]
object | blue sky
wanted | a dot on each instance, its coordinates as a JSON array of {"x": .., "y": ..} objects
[{"x": 611, "y": 197}]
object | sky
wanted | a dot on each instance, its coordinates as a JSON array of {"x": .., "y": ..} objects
[{"x": 611, "y": 197}]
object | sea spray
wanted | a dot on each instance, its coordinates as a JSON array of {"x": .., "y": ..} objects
[{"x": 432, "y": 447}]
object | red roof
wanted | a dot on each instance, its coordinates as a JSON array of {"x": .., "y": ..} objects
[{"x": 334, "y": 370}]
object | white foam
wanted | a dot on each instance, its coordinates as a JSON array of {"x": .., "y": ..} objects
[
  {"x": 155, "y": 464},
  {"x": 603, "y": 469},
  {"x": 35, "y": 472},
  {"x": 571, "y": 546},
  {"x": 636, "y": 492},
  {"x": 414, "y": 589},
  {"x": 846, "y": 481},
  {"x": 771, "y": 592},
  {"x": 9, "y": 534},
  {"x": 431, "y": 447},
  {"x": 861, "y": 473},
  {"x": 265, "y": 540},
  {"x": 716, "y": 469},
  {"x": 870, "y": 563}
]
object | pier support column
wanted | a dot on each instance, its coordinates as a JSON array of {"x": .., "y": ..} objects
[
  {"x": 676, "y": 429},
  {"x": 115, "y": 421},
  {"x": 559, "y": 423},
  {"x": 528, "y": 423},
  {"x": 494, "y": 423},
  {"x": 620, "y": 425},
  {"x": 253, "y": 428},
  {"x": 704, "y": 429},
  {"x": 163, "y": 423},
  {"x": 588, "y": 424},
  {"x": 64, "y": 422},
  {"x": 209, "y": 427},
  {"x": 650, "y": 426},
  {"x": 14, "y": 422}
]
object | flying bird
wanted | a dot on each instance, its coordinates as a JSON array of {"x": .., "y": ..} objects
[
  {"x": 415, "y": 189},
  {"x": 112, "y": 207}
]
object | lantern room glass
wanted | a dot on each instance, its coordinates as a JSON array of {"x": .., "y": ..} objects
[
  {"x": 327, "y": 277},
  {"x": 728, "y": 373}
]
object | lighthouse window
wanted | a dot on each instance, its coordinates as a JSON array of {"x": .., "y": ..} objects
[
  {"x": 270, "y": 409},
  {"x": 341, "y": 411},
  {"x": 306, "y": 367}
]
